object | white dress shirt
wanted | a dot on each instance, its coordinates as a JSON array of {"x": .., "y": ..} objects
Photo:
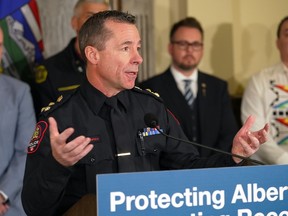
[{"x": 179, "y": 77}]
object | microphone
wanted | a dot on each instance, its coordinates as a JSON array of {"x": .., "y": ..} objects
[{"x": 152, "y": 121}]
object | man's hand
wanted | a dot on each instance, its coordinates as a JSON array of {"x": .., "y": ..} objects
[
  {"x": 69, "y": 153},
  {"x": 245, "y": 142},
  {"x": 3, "y": 207}
]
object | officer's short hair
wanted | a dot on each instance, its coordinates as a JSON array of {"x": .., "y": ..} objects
[{"x": 94, "y": 33}]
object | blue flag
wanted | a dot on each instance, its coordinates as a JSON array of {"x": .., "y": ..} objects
[
  {"x": 23, "y": 46},
  {"x": 8, "y": 7}
]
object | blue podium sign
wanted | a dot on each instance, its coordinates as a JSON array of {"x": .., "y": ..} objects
[{"x": 234, "y": 191}]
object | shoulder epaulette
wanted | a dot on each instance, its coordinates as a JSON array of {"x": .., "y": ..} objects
[
  {"x": 148, "y": 92},
  {"x": 53, "y": 105}
]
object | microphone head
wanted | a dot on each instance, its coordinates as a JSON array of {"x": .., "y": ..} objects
[{"x": 151, "y": 120}]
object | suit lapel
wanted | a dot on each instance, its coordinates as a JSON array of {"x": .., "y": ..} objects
[{"x": 176, "y": 96}]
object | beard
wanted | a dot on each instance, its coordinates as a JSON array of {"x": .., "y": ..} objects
[
  {"x": 187, "y": 63},
  {"x": 186, "y": 67}
]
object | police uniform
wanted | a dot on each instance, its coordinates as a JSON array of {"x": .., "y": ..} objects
[
  {"x": 122, "y": 143},
  {"x": 58, "y": 75}
]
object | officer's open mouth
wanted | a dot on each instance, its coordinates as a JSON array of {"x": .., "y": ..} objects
[{"x": 131, "y": 73}]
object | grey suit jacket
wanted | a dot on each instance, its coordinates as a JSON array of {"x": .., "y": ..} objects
[{"x": 17, "y": 122}]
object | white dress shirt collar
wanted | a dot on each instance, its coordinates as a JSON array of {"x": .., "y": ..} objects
[{"x": 179, "y": 77}]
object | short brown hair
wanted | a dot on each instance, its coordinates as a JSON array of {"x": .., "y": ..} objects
[
  {"x": 190, "y": 22},
  {"x": 94, "y": 33}
]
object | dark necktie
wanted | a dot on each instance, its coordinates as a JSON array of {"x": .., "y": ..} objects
[
  {"x": 122, "y": 137},
  {"x": 188, "y": 94}
]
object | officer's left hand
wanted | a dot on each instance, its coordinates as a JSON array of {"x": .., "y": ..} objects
[
  {"x": 246, "y": 143},
  {"x": 69, "y": 153}
]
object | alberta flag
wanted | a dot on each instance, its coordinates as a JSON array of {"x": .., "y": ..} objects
[{"x": 23, "y": 46}]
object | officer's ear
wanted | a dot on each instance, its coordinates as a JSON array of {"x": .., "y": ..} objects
[{"x": 92, "y": 54}]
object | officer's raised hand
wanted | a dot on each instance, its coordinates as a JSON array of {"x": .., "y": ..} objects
[
  {"x": 246, "y": 143},
  {"x": 69, "y": 153}
]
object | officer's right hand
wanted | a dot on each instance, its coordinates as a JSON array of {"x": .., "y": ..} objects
[{"x": 69, "y": 153}]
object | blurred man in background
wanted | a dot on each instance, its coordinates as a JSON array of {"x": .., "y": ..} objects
[
  {"x": 199, "y": 101},
  {"x": 62, "y": 73}
]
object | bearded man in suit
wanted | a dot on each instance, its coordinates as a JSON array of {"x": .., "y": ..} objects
[{"x": 207, "y": 117}]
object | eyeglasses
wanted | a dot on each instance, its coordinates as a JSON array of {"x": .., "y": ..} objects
[{"x": 184, "y": 45}]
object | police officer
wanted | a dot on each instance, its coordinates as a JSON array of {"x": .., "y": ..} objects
[
  {"x": 62, "y": 73},
  {"x": 100, "y": 128}
]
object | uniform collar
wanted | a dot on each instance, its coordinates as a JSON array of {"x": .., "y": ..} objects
[
  {"x": 123, "y": 99},
  {"x": 96, "y": 99},
  {"x": 93, "y": 96}
]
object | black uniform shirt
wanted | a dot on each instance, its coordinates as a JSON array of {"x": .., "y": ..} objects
[{"x": 50, "y": 187}]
